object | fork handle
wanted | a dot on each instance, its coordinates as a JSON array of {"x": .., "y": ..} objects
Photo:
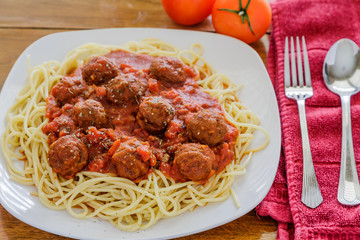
[
  {"x": 349, "y": 189},
  {"x": 311, "y": 195}
]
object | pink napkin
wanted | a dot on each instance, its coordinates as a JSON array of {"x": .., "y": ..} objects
[{"x": 322, "y": 22}]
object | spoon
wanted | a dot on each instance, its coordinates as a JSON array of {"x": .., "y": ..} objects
[{"x": 341, "y": 74}]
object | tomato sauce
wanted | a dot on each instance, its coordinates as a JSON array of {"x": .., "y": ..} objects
[{"x": 187, "y": 99}]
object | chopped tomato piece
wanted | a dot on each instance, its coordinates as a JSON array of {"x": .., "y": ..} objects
[
  {"x": 97, "y": 165},
  {"x": 144, "y": 152},
  {"x": 171, "y": 94},
  {"x": 100, "y": 91},
  {"x": 114, "y": 147},
  {"x": 153, "y": 85},
  {"x": 152, "y": 160},
  {"x": 173, "y": 130}
]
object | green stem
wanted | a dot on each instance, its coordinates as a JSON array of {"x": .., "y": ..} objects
[{"x": 242, "y": 12}]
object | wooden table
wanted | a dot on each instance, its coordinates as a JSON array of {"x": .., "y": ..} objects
[{"x": 24, "y": 21}]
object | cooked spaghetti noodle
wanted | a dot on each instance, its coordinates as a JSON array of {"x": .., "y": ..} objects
[{"x": 127, "y": 205}]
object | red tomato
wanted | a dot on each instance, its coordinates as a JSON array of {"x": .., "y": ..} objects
[
  {"x": 188, "y": 12},
  {"x": 247, "y": 23}
]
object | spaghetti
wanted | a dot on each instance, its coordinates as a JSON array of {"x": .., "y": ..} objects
[{"x": 127, "y": 205}]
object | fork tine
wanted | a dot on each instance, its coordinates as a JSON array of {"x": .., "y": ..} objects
[
  {"x": 299, "y": 63},
  {"x": 293, "y": 63},
  {"x": 286, "y": 64},
  {"x": 306, "y": 64}
]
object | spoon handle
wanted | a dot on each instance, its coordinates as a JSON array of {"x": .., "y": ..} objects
[
  {"x": 311, "y": 195},
  {"x": 349, "y": 189}
]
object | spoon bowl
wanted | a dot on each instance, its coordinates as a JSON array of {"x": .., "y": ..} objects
[
  {"x": 341, "y": 72},
  {"x": 342, "y": 67}
]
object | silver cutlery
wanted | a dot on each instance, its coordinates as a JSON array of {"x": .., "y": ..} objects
[
  {"x": 341, "y": 74},
  {"x": 298, "y": 89}
]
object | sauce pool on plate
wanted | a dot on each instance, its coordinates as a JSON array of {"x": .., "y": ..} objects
[{"x": 128, "y": 114}]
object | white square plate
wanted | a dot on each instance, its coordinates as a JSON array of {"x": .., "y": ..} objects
[{"x": 227, "y": 55}]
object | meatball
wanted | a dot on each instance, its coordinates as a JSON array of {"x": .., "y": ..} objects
[
  {"x": 90, "y": 113},
  {"x": 68, "y": 88},
  {"x": 168, "y": 69},
  {"x": 125, "y": 88},
  {"x": 207, "y": 127},
  {"x": 129, "y": 161},
  {"x": 99, "y": 70},
  {"x": 60, "y": 126},
  {"x": 154, "y": 114},
  {"x": 67, "y": 156},
  {"x": 194, "y": 161}
]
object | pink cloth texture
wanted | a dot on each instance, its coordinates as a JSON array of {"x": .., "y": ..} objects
[{"x": 322, "y": 22}]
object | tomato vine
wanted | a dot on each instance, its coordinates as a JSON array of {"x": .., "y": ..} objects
[{"x": 242, "y": 12}]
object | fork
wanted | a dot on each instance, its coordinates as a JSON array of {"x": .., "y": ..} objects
[{"x": 298, "y": 89}]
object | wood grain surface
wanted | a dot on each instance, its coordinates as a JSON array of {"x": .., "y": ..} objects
[{"x": 24, "y": 21}]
